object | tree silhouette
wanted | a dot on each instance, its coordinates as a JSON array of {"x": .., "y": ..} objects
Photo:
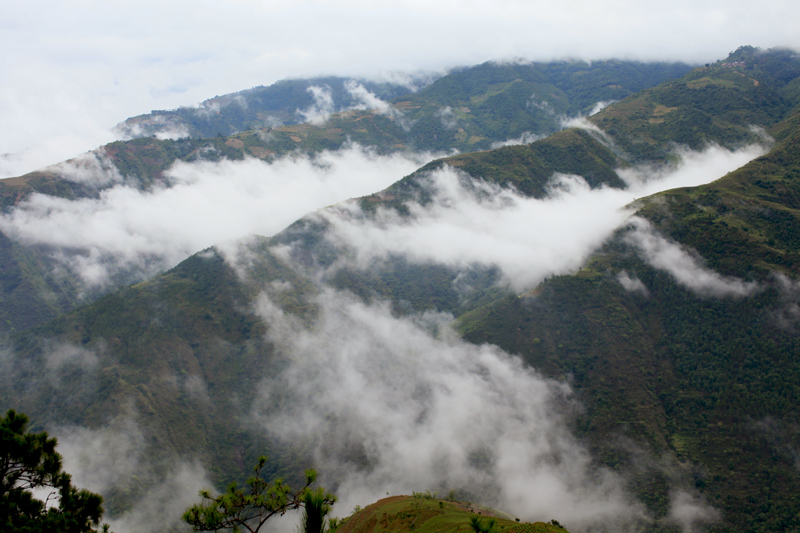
[
  {"x": 251, "y": 506},
  {"x": 29, "y": 461}
]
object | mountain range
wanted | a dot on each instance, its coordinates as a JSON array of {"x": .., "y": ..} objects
[{"x": 531, "y": 319}]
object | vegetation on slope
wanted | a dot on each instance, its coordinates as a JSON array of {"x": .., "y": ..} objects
[
  {"x": 428, "y": 514},
  {"x": 465, "y": 110},
  {"x": 707, "y": 384},
  {"x": 712, "y": 380},
  {"x": 719, "y": 103}
]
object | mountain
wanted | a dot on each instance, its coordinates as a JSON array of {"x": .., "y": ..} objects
[
  {"x": 467, "y": 109},
  {"x": 284, "y": 102},
  {"x": 678, "y": 333}
]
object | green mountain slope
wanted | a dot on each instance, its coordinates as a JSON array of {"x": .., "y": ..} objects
[
  {"x": 683, "y": 390},
  {"x": 508, "y": 99},
  {"x": 406, "y": 513},
  {"x": 712, "y": 379},
  {"x": 720, "y": 103},
  {"x": 260, "y": 107},
  {"x": 500, "y": 96}
]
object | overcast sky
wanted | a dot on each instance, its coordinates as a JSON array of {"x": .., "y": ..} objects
[{"x": 71, "y": 69}]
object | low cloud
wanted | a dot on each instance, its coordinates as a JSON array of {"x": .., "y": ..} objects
[
  {"x": 469, "y": 221},
  {"x": 472, "y": 221},
  {"x": 599, "y": 106},
  {"x": 526, "y": 138},
  {"x": 389, "y": 406},
  {"x": 161, "y": 126},
  {"x": 125, "y": 228},
  {"x": 687, "y": 268},
  {"x": 787, "y": 315},
  {"x": 70, "y": 367},
  {"x": 448, "y": 118},
  {"x": 632, "y": 284},
  {"x": 111, "y": 458},
  {"x": 694, "y": 168},
  {"x": 163, "y": 505},
  {"x": 94, "y": 169},
  {"x": 542, "y": 105},
  {"x": 690, "y": 512},
  {"x": 101, "y": 459},
  {"x": 370, "y": 101},
  {"x": 584, "y": 123},
  {"x": 318, "y": 113}
]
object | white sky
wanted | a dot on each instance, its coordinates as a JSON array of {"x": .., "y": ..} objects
[{"x": 71, "y": 69}]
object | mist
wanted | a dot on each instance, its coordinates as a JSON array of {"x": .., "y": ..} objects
[
  {"x": 471, "y": 221},
  {"x": 204, "y": 203},
  {"x": 395, "y": 405},
  {"x": 687, "y": 269},
  {"x": 105, "y": 459}
]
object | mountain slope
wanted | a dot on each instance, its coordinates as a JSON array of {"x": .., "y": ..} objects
[
  {"x": 704, "y": 370},
  {"x": 420, "y": 513},
  {"x": 436, "y": 117},
  {"x": 690, "y": 387}
]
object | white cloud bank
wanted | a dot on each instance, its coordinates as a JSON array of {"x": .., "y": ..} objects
[
  {"x": 388, "y": 407},
  {"x": 473, "y": 222},
  {"x": 206, "y": 204}
]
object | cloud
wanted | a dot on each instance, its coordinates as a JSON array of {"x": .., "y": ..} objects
[
  {"x": 165, "y": 127},
  {"x": 787, "y": 315},
  {"x": 448, "y": 118},
  {"x": 599, "y": 106},
  {"x": 114, "y": 458},
  {"x": 163, "y": 505},
  {"x": 101, "y": 459},
  {"x": 526, "y": 138},
  {"x": 206, "y": 203},
  {"x": 470, "y": 221},
  {"x": 690, "y": 512},
  {"x": 322, "y": 107},
  {"x": 94, "y": 169},
  {"x": 632, "y": 284},
  {"x": 70, "y": 368},
  {"x": 372, "y": 102},
  {"x": 57, "y": 101},
  {"x": 388, "y": 405},
  {"x": 686, "y": 268},
  {"x": 694, "y": 168},
  {"x": 481, "y": 223}
]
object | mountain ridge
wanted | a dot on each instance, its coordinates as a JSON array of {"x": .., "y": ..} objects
[{"x": 685, "y": 391}]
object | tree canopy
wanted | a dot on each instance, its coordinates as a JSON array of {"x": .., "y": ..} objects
[
  {"x": 28, "y": 461},
  {"x": 250, "y": 507}
]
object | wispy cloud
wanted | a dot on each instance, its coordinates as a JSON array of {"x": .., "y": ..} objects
[
  {"x": 322, "y": 107},
  {"x": 387, "y": 406},
  {"x": 370, "y": 101},
  {"x": 690, "y": 512},
  {"x": 112, "y": 457},
  {"x": 470, "y": 221},
  {"x": 526, "y": 138},
  {"x": 164, "y": 126},
  {"x": 207, "y": 203},
  {"x": 687, "y": 268},
  {"x": 632, "y": 284}
]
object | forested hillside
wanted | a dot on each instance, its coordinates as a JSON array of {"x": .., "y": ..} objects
[{"x": 659, "y": 385}]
